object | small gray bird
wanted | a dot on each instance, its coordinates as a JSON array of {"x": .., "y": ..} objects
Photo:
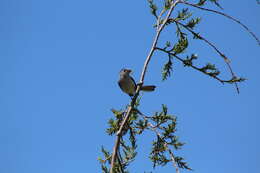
[{"x": 128, "y": 85}]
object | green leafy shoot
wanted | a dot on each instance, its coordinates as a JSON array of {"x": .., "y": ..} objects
[
  {"x": 193, "y": 22},
  {"x": 161, "y": 153},
  {"x": 167, "y": 4},
  {"x": 181, "y": 46},
  {"x": 153, "y": 8},
  {"x": 181, "y": 163},
  {"x": 210, "y": 69},
  {"x": 215, "y": 2},
  {"x": 167, "y": 69},
  {"x": 201, "y": 2},
  {"x": 167, "y": 45},
  {"x": 183, "y": 14},
  {"x": 103, "y": 162},
  {"x": 189, "y": 60}
]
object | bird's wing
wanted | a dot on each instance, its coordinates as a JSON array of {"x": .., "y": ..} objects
[
  {"x": 120, "y": 85},
  {"x": 133, "y": 81}
]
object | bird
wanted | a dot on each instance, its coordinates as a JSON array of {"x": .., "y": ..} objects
[{"x": 128, "y": 85}]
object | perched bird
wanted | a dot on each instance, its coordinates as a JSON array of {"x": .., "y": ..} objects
[{"x": 128, "y": 85}]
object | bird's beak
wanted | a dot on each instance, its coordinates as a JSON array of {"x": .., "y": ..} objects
[{"x": 129, "y": 70}]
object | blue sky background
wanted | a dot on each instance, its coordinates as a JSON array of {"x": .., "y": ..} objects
[{"x": 59, "y": 64}]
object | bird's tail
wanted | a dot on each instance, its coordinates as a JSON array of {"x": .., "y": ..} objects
[{"x": 148, "y": 88}]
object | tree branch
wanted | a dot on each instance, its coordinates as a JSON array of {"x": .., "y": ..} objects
[
  {"x": 225, "y": 15},
  {"x": 159, "y": 18},
  {"x": 120, "y": 165},
  {"x": 129, "y": 109},
  {"x": 192, "y": 66},
  {"x": 227, "y": 61},
  {"x": 153, "y": 128},
  {"x": 172, "y": 158}
]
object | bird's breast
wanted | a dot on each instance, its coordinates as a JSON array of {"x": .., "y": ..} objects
[{"x": 127, "y": 85}]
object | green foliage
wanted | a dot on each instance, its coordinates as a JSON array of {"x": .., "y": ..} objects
[
  {"x": 203, "y": 2},
  {"x": 167, "y": 44},
  {"x": 141, "y": 125},
  {"x": 193, "y": 22},
  {"x": 210, "y": 69},
  {"x": 181, "y": 163},
  {"x": 180, "y": 34},
  {"x": 183, "y": 14},
  {"x": 162, "y": 124},
  {"x": 167, "y": 69},
  {"x": 196, "y": 36},
  {"x": 183, "y": 32},
  {"x": 114, "y": 123},
  {"x": 216, "y": 3},
  {"x": 180, "y": 46},
  {"x": 107, "y": 156},
  {"x": 153, "y": 8},
  {"x": 167, "y": 4},
  {"x": 189, "y": 60},
  {"x": 158, "y": 154}
]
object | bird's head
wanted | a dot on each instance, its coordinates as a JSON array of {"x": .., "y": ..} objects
[{"x": 125, "y": 71}]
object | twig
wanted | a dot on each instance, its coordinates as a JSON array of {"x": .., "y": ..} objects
[
  {"x": 159, "y": 18},
  {"x": 106, "y": 159},
  {"x": 120, "y": 165},
  {"x": 153, "y": 128},
  {"x": 227, "y": 16},
  {"x": 172, "y": 158},
  {"x": 192, "y": 66},
  {"x": 129, "y": 109},
  {"x": 227, "y": 61}
]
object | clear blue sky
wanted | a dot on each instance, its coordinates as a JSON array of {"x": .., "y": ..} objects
[{"x": 59, "y": 64}]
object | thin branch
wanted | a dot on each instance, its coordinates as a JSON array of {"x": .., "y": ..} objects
[
  {"x": 204, "y": 39},
  {"x": 227, "y": 61},
  {"x": 192, "y": 66},
  {"x": 153, "y": 128},
  {"x": 155, "y": 42},
  {"x": 120, "y": 165},
  {"x": 115, "y": 153},
  {"x": 166, "y": 146},
  {"x": 159, "y": 18},
  {"x": 172, "y": 158},
  {"x": 129, "y": 109},
  {"x": 227, "y": 16},
  {"x": 106, "y": 159}
]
